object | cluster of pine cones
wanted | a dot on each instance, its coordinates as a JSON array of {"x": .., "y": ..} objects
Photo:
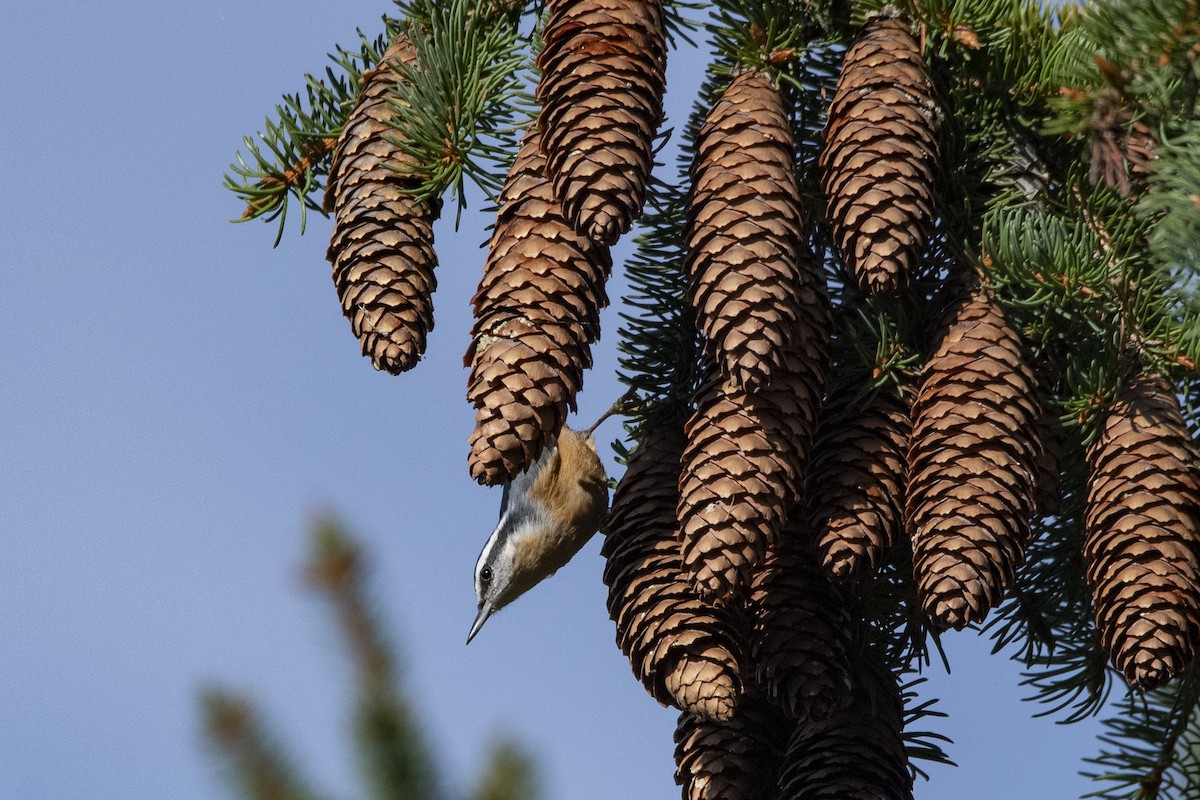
[{"x": 729, "y": 541}]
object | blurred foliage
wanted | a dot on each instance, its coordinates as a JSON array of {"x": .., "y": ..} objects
[{"x": 394, "y": 756}]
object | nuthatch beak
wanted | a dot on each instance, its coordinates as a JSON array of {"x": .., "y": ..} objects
[
  {"x": 547, "y": 514},
  {"x": 485, "y": 611}
]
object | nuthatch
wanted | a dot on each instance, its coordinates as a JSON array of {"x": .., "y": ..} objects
[{"x": 547, "y": 514}]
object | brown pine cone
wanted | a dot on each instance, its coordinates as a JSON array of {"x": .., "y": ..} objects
[
  {"x": 880, "y": 155},
  {"x": 1120, "y": 150},
  {"x": 684, "y": 651},
  {"x": 382, "y": 245},
  {"x": 537, "y": 313},
  {"x": 737, "y": 759},
  {"x": 800, "y": 629},
  {"x": 601, "y": 91},
  {"x": 857, "y": 479},
  {"x": 754, "y": 282},
  {"x": 1143, "y": 542},
  {"x": 972, "y": 464},
  {"x": 856, "y": 754},
  {"x": 742, "y": 471}
]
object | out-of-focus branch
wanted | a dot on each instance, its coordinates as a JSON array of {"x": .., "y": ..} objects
[
  {"x": 255, "y": 764},
  {"x": 395, "y": 758},
  {"x": 510, "y": 774}
]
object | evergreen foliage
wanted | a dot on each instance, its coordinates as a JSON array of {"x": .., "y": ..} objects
[
  {"x": 1163, "y": 768},
  {"x": 395, "y": 759},
  {"x": 1065, "y": 184},
  {"x": 298, "y": 140}
]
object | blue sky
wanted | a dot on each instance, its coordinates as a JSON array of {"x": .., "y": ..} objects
[{"x": 178, "y": 400}]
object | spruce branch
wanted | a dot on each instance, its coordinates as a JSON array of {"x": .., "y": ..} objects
[
  {"x": 1146, "y": 51},
  {"x": 768, "y": 35},
  {"x": 873, "y": 335},
  {"x": 1045, "y": 624},
  {"x": 888, "y": 622},
  {"x": 336, "y": 571},
  {"x": 254, "y": 763},
  {"x": 1077, "y": 270},
  {"x": 460, "y": 106},
  {"x": 290, "y": 157},
  {"x": 679, "y": 21},
  {"x": 891, "y": 636},
  {"x": 1173, "y": 203},
  {"x": 394, "y": 756},
  {"x": 457, "y": 110},
  {"x": 659, "y": 343},
  {"x": 509, "y": 774},
  {"x": 1130, "y": 77},
  {"x": 1151, "y": 751},
  {"x": 922, "y": 745}
]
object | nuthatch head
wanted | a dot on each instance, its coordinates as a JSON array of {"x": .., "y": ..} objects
[{"x": 547, "y": 514}]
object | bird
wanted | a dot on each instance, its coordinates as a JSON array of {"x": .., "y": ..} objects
[{"x": 547, "y": 514}]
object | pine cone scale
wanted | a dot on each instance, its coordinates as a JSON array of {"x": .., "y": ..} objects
[
  {"x": 537, "y": 314},
  {"x": 742, "y": 472},
  {"x": 382, "y": 243},
  {"x": 685, "y": 651},
  {"x": 601, "y": 91},
  {"x": 972, "y": 465},
  {"x": 736, "y": 758},
  {"x": 879, "y": 156},
  {"x": 1143, "y": 534},
  {"x": 751, "y": 273}
]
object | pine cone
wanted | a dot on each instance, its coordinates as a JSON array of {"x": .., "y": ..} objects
[
  {"x": 1141, "y": 148},
  {"x": 737, "y": 759},
  {"x": 537, "y": 313},
  {"x": 382, "y": 245},
  {"x": 685, "y": 651},
  {"x": 1120, "y": 149},
  {"x": 800, "y": 629},
  {"x": 754, "y": 281},
  {"x": 856, "y": 754},
  {"x": 880, "y": 156},
  {"x": 742, "y": 471},
  {"x": 1143, "y": 544},
  {"x": 601, "y": 92},
  {"x": 857, "y": 480},
  {"x": 972, "y": 465}
]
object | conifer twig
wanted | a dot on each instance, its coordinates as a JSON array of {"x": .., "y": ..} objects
[{"x": 255, "y": 764}]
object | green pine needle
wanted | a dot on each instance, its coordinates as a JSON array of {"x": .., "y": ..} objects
[
  {"x": 1151, "y": 751},
  {"x": 460, "y": 108},
  {"x": 290, "y": 157}
]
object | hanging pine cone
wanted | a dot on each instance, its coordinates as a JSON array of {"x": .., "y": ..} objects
[
  {"x": 537, "y": 313},
  {"x": 1143, "y": 541},
  {"x": 601, "y": 91},
  {"x": 382, "y": 245},
  {"x": 857, "y": 479},
  {"x": 685, "y": 651},
  {"x": 800, "y": 626},
  {"x": 880, "y": 155},
  {"x": 753, "y": 279},
  {"x": 737, "y": 759},
  {"x": 972, "y": 465},
  {"x": 1120, "y": 150},
  {"x": 856, "y": 754},
  {"x": 742, "y": 471}
]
